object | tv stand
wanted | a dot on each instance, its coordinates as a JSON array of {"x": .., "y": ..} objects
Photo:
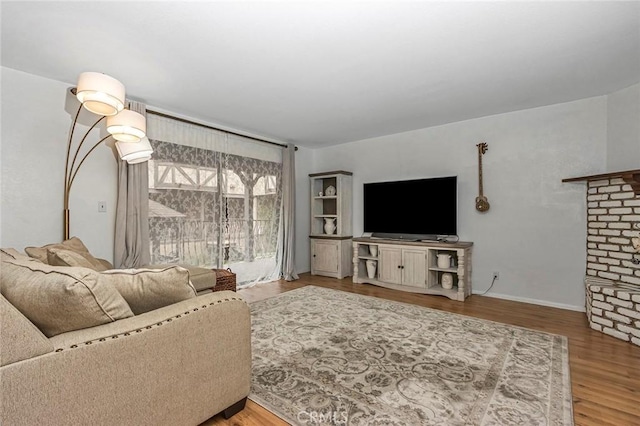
[{"x": 413, "y": 265}]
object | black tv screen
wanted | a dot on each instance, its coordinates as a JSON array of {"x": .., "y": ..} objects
[{"x": 420, "y": 208}]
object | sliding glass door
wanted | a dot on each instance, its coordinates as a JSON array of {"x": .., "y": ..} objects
[{"x": 214, "y": 209}]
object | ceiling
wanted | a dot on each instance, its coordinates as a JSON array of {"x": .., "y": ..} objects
[{"x": 324, "y": 73}]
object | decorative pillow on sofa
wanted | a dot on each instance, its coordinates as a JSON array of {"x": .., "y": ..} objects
[
  {"x": 64, "y": 257},
  {"x": 73, "y": 244},
  {"x": 149, "y": 289},
  {"x": 60, "y": 299}
]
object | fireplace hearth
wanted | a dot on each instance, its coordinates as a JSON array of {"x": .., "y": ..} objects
[{"x": 612, "y": 279}]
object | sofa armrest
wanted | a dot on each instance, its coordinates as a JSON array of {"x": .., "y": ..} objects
[
  {"x": 20, "y": 338},
  {"x": 180, "y": 364}
]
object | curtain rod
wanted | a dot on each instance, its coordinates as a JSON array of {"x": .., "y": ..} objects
[{"x": 161, "y": 114}]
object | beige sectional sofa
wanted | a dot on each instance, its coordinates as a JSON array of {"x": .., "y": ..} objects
[{"x": 122, "y": 361}]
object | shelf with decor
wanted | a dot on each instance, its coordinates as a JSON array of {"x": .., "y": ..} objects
[{"x": 331, "y": 223}]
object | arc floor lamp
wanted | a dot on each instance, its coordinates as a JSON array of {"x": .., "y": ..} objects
[{"x": 104, "y": 96}]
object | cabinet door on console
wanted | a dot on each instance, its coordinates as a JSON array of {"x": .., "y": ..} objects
[
  {"x": 414, "y": 268},
  {"x": 403, "y": 266},
  {"x": 390, "y": 261},
  {"x": 325, "y": 255}
]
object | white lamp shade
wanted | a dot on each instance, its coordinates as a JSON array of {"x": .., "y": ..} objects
[
  {"x": 100, "y": 94},
  {"x": 135, "y": 152},
  {"x": 127, "y": 126}
]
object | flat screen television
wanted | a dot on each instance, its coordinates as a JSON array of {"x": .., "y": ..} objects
[{"x": 412, "y": 209}]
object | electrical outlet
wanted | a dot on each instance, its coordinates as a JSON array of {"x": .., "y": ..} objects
[
  {"x": 102, "y": 206},
  {"x": 496, "y": 275}
]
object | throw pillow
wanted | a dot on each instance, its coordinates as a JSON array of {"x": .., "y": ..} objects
[
  {"x": 149, "y": 289},
  {"x": 60, "y": 299},
  {"x": 74, "y": 244},
  {"x": 64, "y": 257},
  {"x": 105, "y": 264}
]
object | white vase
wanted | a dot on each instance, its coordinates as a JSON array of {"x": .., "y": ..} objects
[
  {"x": 329, "y": 225},
  {"x": 447, "y": 281},
  {"x": 373, "y": 250},
  {"x": 371, "y": 268},
  {"x": 444, "y": 261}
]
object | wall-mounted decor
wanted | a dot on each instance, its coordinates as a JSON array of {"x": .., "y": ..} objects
[{"x": 482, "y": 204}]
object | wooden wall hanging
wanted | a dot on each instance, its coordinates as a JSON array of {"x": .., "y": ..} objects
[{"x": 482, "y": 204}]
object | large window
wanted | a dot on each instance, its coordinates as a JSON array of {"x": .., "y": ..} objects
[{"x": 214, "y": 209}]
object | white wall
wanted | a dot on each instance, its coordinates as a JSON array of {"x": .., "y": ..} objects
[
  {"x": 623, "y": 129},
  {"x": 534, "y": 234},
  {"x": 36, "y": 117}
]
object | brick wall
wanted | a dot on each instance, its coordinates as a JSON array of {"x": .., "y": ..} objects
[
  {"x": 613, "y": 219},
  {"x": 613, "y": 310},
  {"x": 613, "y": 278}
]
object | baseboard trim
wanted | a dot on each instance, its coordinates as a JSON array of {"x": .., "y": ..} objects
[{"x": 534, "y": 301}]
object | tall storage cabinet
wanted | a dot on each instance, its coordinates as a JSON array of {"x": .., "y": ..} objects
[{"x": 331, "y": 224}]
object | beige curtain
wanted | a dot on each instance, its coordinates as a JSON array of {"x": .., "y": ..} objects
[
  {"x": 286, "y": 237},
  {"x": 131, "y": 249}
]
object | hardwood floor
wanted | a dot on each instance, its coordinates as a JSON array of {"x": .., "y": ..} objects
[{"x": 605, "y": 372}]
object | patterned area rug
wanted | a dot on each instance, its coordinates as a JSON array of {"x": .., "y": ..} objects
[{"x": 328, "y": 357}]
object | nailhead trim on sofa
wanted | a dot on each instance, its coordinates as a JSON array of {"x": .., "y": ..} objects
[{"x": 149, "y": 327}]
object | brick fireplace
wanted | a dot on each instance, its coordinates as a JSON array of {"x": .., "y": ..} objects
[{"x": 612, "y": 281}]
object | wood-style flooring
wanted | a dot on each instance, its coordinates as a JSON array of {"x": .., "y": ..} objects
[{"x": 605, "y": 372}]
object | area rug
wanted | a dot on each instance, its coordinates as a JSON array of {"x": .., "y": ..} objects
[{"x": 328, "y": 357}]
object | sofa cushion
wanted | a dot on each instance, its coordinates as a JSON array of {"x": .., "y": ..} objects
[
  {"x": 73, "y": 244},
  {"x": 11, "y": 253},
  {"x": 20, "y": 338},
  {"x": 149, "y": 289},
  {"x": 57, "y": 299},
  {"x": 201, "y": 278}
]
